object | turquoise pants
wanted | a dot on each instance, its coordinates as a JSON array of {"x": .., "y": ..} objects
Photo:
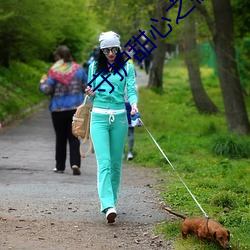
[{"x": 109, "y": 136}]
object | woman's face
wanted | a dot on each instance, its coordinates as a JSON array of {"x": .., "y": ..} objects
[{"x": 110, "y": 53}]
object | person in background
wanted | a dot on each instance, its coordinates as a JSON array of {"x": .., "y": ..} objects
[
  {"x": 147, "y": 61},
  {"x": 93, "y": 54},
  {"x": 65, "y": 84},
  {"x": 130, "y": 53},
  {"x": 131, "y": 129},
  {"x": 109, "y": 125},
  {"x": 85, "y": 66},
  {"x": 135, "y": 59},
  {"x": 130, "y": 133}
]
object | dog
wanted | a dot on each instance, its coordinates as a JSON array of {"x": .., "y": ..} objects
[{"x": 204, "y": 229}]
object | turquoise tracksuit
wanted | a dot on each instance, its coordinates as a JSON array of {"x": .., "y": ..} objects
[{"x": 109, "y": 129}]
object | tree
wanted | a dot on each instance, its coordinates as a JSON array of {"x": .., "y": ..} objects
[
  {"x": 201, "y": 99},
  {"x": 241, "y": 17},
  {"x": 156, "y": 71},
  {"x": 28, "y": 33},
  {"x": 23, "y": 33},
  {"x": 223, "y": 38},
  {"x": 242, "y": 32},
  {"x": 124, "y": 17}
]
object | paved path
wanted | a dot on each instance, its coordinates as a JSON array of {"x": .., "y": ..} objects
[
  {"x": 26, "y": 163},
  {"x": 31, "y": 191},
  {"x": 27, "y": 160},
  {"x": 141, "y": 78}
]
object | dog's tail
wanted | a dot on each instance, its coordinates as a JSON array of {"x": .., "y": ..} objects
[{"x": 175, "y": 213}]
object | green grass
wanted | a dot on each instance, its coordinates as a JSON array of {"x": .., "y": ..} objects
[
  {"x": 214, "y": 164},
  {"x": 19, "y": 88}
]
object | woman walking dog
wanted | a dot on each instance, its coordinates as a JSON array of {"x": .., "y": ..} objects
[{"x": 109, "y": 123}]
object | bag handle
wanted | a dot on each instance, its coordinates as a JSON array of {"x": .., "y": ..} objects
[
  {"x": 85, "y": 99},
  {"x": 87, "y": 137},
  {"x": 91, "y": 148}
]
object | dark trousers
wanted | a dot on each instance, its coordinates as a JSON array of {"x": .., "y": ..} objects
[
  {"x": 130, "y": 129},
  {"x": 147, "y": 65},
  {"x": 62, "y": 122},
  {"x": 130, "y": 139}
]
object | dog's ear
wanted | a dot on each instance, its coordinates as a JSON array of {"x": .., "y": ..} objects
[
  {"x": 228, "y": 237},
  {"x": 214, "y": 235}
]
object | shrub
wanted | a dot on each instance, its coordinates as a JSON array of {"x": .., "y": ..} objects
[
  {"x": 231, "y": 146},
  {"x": 224, "y": 200}
]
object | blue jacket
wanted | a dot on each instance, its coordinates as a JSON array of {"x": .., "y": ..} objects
[{"x": 65, "y": 97}]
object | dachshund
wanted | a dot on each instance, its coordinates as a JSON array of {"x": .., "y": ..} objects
[{"x": 204, "y": 229}]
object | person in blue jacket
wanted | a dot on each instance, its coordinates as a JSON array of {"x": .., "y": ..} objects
[
  {"x": 65, "y": 83},
  {"x": 109, "y": 124}
]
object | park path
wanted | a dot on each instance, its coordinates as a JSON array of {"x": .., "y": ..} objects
[{"x": 40, "y": 209}]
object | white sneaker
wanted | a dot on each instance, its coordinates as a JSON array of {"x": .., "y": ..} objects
[
  {"x": 76, "y": 170},
  {"x": 111, "y": 214},
  {"x": 58, "y": 171},
  {"x": 130, "y": 156}
]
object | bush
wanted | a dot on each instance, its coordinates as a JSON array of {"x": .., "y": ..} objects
[
  {"x": 231, "y": 146},
  {"x": 19, "y": 88},
  {"x": 223, "y": 200}
]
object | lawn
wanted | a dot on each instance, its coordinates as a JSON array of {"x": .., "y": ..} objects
[{"x": 199, "y": 151}]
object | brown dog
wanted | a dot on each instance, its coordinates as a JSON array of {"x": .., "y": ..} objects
[{"x": 204, "y": 229}]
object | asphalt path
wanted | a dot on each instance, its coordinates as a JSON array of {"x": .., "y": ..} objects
[
  {"x": 26, "y": 177},
  {"x": 31, "y": 190}
]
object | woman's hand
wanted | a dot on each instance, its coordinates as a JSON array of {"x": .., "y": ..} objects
[
  {"x": 89, "y": 91},
  {"x": 134, "y": 109},
  {"x": 43, "y": 79}
]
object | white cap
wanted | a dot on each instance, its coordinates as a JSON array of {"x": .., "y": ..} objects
[{"x": 109, "y": 39}]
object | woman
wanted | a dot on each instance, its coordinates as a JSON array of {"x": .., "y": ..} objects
[
  {"x": 65, "y": 83},
  {"x": 109, "y": 123}
]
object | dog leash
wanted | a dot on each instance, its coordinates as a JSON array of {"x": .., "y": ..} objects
[{"x": 174, "y": 169}]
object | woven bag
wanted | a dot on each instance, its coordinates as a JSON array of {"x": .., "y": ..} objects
[{"x": 81, "y": 126}]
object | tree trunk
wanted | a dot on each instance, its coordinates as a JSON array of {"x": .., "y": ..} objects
[
  {"x": 235, "y": 109},
  {"x": 201, "y": 99},
  {"x": 156, "y": 71}
]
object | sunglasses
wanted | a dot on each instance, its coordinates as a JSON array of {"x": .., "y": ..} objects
[{"x": 106, "y": 51}]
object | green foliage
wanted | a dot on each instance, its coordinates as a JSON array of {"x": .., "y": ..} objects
[
  {"x": 231, "y": 146},
  {"x": 224, "y": 200},
  {"x": 19, "y": 87},
  {"x": 219, "y": 183},
  {"x": 202, "y": 31},
  {"x": 170, "y": 230},
  {"x": 243, "y": 60},
  {"x": 242, "y": 35},
  {"x": 132, "y": 15},
  {"x": 241, "y": 17},
  {"x": 29, "y": 33}
]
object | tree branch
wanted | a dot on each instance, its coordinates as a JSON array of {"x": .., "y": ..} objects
[{"x": 210, "y": 23}]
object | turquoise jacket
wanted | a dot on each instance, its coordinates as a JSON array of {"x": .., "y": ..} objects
[{"x": 115, "y": 99}]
